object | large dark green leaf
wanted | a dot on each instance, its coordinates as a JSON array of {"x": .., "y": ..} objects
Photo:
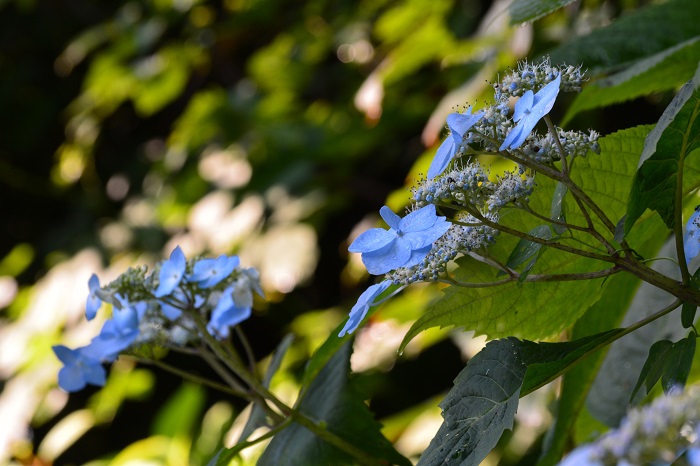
[
  {"x": 678, "y": 364},
  {"x": 634, "y": 36},
  {"x": 483, "y": 402},
  {"x": 653, "y": 366},
  {"x": 676, "y": 135},
  {"x": 333, "y": 400},
  {"x": 529, "y": 10},
  {"x": 663, "y": 71}
]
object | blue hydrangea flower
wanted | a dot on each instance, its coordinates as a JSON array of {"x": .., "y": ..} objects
[
  {"x": 171, "y": 273},
  {"x": 227, "y": 313},
  {"x": 530, "y": 109},
  {"x": 691, "y": 239},
  {"x": 459, "y": 124},
  {"x": 364, "y": 302},
  {"x": 80, "y": 368},
  {"x": 405, "y": 244},
  {"x": 93, "y": 300},
  {"x": 209, "y": 272},
  {"x": 118, "y": 333}
]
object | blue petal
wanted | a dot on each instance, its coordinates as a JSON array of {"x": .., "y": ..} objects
[
  {"x": 389, "y": 258},
  {"x": 419, "y": 220},
  {"x": 691, "y": 239},
  {"x": 515, "y": 138},
  {"x": 65, "y": 354},
  {"x": 372, "y": 240},
  {"x": 547, "y": 95},
  {"x": 417, "y": 255},
  {"x": 523, "y": 106},
  {"x": 226, "y": 314},
  {"x": 95, "y": 374},
  {"x": 390, "y": 217},
  {"x": 210, "y": 272},
  {"x": 171, "y": 273},
  {"x": 364, "y": 302},
  {"x": 460, "y": 123},
  {"x": 70, "y": 378},
  {"x": 442, "y": 158},
  {"x": 421, "y": 239},
  {"x": 93, "y": 302}
]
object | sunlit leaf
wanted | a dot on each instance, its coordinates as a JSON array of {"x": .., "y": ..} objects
[{"x": 529, "y": 10}]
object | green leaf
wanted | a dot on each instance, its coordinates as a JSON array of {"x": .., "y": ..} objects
[
  {"x": 678, "y": 364},
  {"x": 525, "y": 249},
  {"x": 547, "y": 361},
  {"x": 480, "y": 406},
  {"x": 538, "y": 310},
  {"x": 333, "y": 400},
  {"x": 675, "y": 136},
  {"x": 522, "y": 11},
  {"x": 257, "y": 415},
  {"x": 634, "y": 36},
  {"x": 484, "y": 399},
  {"x": 660, "y": 72},
  {"x": 688, "y": 315},
  {"x": 651, "y": 371},
  {"x": 181, "y": 413},
  {"x": 606, "y": 313}
]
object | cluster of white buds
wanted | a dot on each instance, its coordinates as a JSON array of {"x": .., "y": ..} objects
[
  {"x": 653, "y": 434},
  {"x": 532, "y": 77}
]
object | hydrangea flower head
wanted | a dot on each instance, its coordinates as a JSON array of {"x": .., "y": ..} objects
[
  {"x": 530, "y": 109},
  {"x": 93, "y": 300},
  {"x": 171, "y": 273},
  {"x": 79, "y": 368},
  {"x": 691, "y": 239},
  {"x": 405, "y": 244},
  {"x": 364, "y": 302},
  {"x": 210, "y": 272},
  {"x": 459, "y": 124}
]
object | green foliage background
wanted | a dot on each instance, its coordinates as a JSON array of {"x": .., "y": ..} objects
[{"x": 275, "y": 130}]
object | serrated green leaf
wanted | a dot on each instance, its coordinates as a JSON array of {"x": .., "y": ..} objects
[
  {"x": 672, "y": 140},
  {"x": 480, "y": 406},
  {"x": 257, "y": 415},
  {"x": 660, "y": 72},
  {"x": 333, "y": 400},
  {"x": 634, "y": 36},
  {"x": 537, "y": 310},
  {"x": 678, "y": 363},
  {"x": 522, "y": 11},
  {"x": 484, "y": 399},
  {"x": 651, "y": 372}
]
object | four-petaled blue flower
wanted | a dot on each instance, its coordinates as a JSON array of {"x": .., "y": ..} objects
[
  {"x": 227, "y": 313},
  {"x": 530, "y": 109},
  {"x": 118, "y": 333},
  {"x": 691, "y": 239},
  {"x": 459, "y": 124},
  {"x": 80, "y": 368},
  {"x": 171, "y": 273},
  {"x": 405, "y": 244},
  {"x": 209, "y": 272},
  {"x": 364, "y": 302},
  {"x": 93, "y": 301}
]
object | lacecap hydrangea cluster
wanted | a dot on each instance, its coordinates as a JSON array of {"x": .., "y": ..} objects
[
  {"x": 655, "y": 434},
  {"x": 171, "y": 306},
  {"x": 418, "y": 247}
]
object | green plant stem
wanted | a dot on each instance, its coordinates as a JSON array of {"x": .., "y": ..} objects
[
  {"x": 237, "y": 448},
  {"x": 246, "y": 348},
  {"x": 555, "y": 135},
  {"x": 196, "y": 379},
  {"x": 610, "y": 340},
  {"x": 563, "y": 277}
]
